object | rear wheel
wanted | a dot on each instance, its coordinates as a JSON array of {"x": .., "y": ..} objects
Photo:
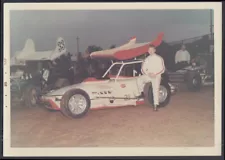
[
  {"x": 75, "y": 103},
  {"x": 31, "y": 96},
  {"x": 164, "y": 95}
]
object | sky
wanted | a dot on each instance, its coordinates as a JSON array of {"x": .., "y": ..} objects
[{"x": 103, "y": 28}]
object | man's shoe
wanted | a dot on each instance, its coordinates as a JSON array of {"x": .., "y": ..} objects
[{"x": 155, "y": 108}]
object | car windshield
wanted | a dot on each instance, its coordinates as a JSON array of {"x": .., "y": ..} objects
[
  {"x": 127, "y": 70},
  {"x": 115, "y": 69}
]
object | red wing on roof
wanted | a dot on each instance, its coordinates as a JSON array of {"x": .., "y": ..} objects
[{"x": 129, "y": 50}]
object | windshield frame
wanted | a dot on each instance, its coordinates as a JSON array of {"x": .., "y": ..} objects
[{"x": 122, "y": 65}]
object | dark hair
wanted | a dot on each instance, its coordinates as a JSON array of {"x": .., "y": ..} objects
[{"x": 151, "y": 46}]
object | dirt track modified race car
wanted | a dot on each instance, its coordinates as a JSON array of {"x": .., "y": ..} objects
[
  {"x": 196, "y": 74},
  {"x": 114, "y": 88},
  {"x": 35, "y": 73}
]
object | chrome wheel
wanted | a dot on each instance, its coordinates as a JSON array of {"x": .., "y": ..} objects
[
  {"x": 77, "y": 104},
  {"x": 195, "y": 82},
  {"x": 163, "y": 93}
]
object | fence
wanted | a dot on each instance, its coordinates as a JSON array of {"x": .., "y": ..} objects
[{"x": 191, "y": 40}]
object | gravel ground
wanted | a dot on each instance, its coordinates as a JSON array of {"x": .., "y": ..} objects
[{"x": 187, "y": 121}]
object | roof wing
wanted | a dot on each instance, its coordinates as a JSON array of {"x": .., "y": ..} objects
[
  {"x": 129, "y": 50},
  {"x": 132, "y": 40}
]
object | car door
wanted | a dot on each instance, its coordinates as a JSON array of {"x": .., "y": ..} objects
[{"x": 125, "y": 85}]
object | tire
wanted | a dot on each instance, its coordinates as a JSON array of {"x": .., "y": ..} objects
[
  {"x": 164, "y": 88},
  {"x": 60, "y": 83},
  {"x": 194, "y": 82},
  {"x": 31, "y": 96},
  {"x": 64, "y": 105}
]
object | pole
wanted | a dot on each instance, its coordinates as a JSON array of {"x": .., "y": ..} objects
[
  {"x": 211, "y": 30},
  {"x": 211, "y": 24},
  {"x": 78, "y": 45}
]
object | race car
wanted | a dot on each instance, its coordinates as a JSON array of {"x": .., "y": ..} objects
[
  {"x": 114, "y": 88},
  {"x": 196, "y": 74}
]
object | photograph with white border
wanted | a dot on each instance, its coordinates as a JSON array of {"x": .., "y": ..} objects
[{"x": 112, "y": 79}]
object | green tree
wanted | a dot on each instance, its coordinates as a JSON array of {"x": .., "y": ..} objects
[
  {"x": 93, "y": 48},
  {"x": 112, "y": 46},
  {"x": 91, "y": 64}
]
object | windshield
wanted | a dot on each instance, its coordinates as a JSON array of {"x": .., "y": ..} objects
[
  {"x": 127, "y": 70},
  {"x": 115, "y": 69}
]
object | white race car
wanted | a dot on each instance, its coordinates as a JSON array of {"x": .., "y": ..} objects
[{"x": 113, "y": 89}]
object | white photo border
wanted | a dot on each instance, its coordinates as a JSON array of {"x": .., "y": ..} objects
[{"x": 114, "y": 151}]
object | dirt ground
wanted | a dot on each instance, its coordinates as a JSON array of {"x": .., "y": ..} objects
[{"x": 187, "y": 121}]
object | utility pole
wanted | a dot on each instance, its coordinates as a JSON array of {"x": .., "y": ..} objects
[
  {"x": 211, "y": 31},
  {"x": 211, "y": 24},
  {"x": 78, "y": 45}
]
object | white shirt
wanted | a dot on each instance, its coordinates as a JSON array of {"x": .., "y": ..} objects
[
  {"x": 153, "y": 64},
  {"x": 182, "y": 56}
]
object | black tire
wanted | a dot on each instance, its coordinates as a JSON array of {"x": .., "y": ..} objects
[
  {"x": 31, "y": 96},
  {"x": 62, "y": 82},
  {"x": 194, "y": 82},
  {"x": 64, "y": 103},
  {"x": 149, "y": 94}
]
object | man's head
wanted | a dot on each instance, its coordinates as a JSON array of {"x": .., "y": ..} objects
[
  {"x": 151, "y": 49},
  {"x": 183, "y": 47}
]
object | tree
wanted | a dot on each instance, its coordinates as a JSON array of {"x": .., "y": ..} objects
[
  {"x": 91, "y": 65},
  {"x": 112, "y": 46},
  {"x": 93, "y": 48}
]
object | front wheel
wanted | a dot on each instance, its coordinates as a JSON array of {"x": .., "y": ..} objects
[
  {"x": 164, "y": 94},
  {"x": 75, "y": 103},
  {"x": 31, "y": 96},
  {"x": 194, "y": 82}
]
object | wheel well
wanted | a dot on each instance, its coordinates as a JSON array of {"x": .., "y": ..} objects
[
  {"x": 148, "y": 93},
  {"x": 164, "y": 81},
  {"x": 165, "y": 77},
  {"x": 78, "y": 90}
]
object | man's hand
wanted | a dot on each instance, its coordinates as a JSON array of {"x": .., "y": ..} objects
[{"x": 152, "y": 75}]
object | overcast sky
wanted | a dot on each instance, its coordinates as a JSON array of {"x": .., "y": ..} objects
[{"x": 103, "y": 28}]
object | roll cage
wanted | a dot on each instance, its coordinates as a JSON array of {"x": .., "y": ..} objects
[{"x": 122, "y": 63}]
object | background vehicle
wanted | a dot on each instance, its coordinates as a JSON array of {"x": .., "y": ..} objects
[
  {"x": 35, "y": 73},
  {"x": 198, "y": 73}
]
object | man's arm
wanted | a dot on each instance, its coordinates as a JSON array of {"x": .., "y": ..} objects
[
  {"x": 143, "y": 68},
  {"x": 160, "y": 66}
]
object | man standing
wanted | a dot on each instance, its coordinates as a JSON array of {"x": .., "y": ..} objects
[
  {"x": 153, "y": 67},
  {"x": 182, "y": 57}
]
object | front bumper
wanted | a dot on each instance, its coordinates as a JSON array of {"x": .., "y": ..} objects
[{"x": 50, "y": 103}]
